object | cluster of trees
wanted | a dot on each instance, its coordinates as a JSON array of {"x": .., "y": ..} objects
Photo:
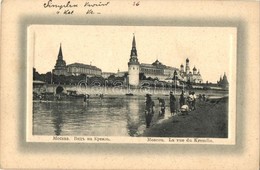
[{"x": 143, "y": 77}]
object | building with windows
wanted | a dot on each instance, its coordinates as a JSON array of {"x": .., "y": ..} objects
[
  {"x": 79, "y": 68},
  {"x": 156, "y": 70},
  {"x": 159, "y": 71}
]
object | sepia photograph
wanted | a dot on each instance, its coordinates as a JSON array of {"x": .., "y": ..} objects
[
  {"x": 126, "y": 81},
  {"x": 129, "y": 84}
]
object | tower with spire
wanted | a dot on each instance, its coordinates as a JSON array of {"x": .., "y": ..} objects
[
  {"x": 194, "y": 70},
  {"x": 60, "y": 66},
  {"x": 182, "y": 68},
  {"x": 133, "y": 66},
  {"x": 187, "y": 69}
]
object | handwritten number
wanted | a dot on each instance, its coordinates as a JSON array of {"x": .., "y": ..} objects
[{"x": 136, "y": 3}]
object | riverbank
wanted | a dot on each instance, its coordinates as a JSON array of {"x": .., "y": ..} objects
[
  {"x": 210, "y": 119},
  {"x": 120, "y": 90}
]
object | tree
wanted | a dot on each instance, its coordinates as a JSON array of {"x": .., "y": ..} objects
[
  {"x": 111, "y": 77},
  {"x": 48, "y": 77},
  {"x": 142, "y": 76}
]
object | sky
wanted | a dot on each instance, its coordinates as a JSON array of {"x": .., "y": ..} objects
[{"x": 209, "y": 49}]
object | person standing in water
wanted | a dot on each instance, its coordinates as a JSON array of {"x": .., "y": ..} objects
[
  {"x": 172, "y": 103},
  {"x": 149, "y": 104},
  {"x": 86, "y": 97}
]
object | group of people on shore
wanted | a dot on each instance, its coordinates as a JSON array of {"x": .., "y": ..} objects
[{"x": 186, "y": 104}]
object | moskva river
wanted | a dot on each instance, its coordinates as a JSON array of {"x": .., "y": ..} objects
[{"x": 110, "y": 116}]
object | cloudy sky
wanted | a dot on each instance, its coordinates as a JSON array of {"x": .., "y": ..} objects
[{"x": 209, "y": 49}]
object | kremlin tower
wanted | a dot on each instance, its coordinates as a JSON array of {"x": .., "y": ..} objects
[
  {"x": 60, "y": 67},
  {"x": 133, "y": 66}
]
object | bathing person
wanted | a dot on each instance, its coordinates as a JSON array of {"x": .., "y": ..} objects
[
  {"x": 172, "y": 103},
  {"x": 101, "y": 96},
  {"x": 184, "y": 109},
  {"x": 149, "y": 104},
  {"x": 162, "y": 105},
  {"x": 86, "y": 97}
]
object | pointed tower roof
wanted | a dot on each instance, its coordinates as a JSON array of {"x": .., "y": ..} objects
[
  {"x": 60, "y": 63},
  {"x": 133, "y": 55},
  {"x": 133, "y": 51},
  {"x": 60, "y": 56},
  {"x": 133, "y": 43},
  {"x": 225, "y": 76}
]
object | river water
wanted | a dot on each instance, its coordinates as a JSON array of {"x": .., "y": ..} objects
[{"x": 111, "y": 116}]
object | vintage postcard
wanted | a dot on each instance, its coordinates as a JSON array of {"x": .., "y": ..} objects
[{"x": 131, "y": 84}]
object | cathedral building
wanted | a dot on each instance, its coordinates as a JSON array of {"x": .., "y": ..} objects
[{"x": 187, "y": 75}]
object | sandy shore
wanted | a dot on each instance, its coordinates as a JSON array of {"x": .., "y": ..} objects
[{"x": 210, "y": 119}]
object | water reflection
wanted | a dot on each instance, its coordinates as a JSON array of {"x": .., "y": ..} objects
[
  {"x": 134, "y": 117},
  {"x": 111, "y": 116},
  {"x": 57, "y": 122}
]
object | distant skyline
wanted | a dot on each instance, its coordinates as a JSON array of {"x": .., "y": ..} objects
[{"x": 209, "y": 49}]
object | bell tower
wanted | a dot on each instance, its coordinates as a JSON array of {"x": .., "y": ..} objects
[
  {"x": 133, "y": 66},
  {"x": 187, "y": 69}
]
